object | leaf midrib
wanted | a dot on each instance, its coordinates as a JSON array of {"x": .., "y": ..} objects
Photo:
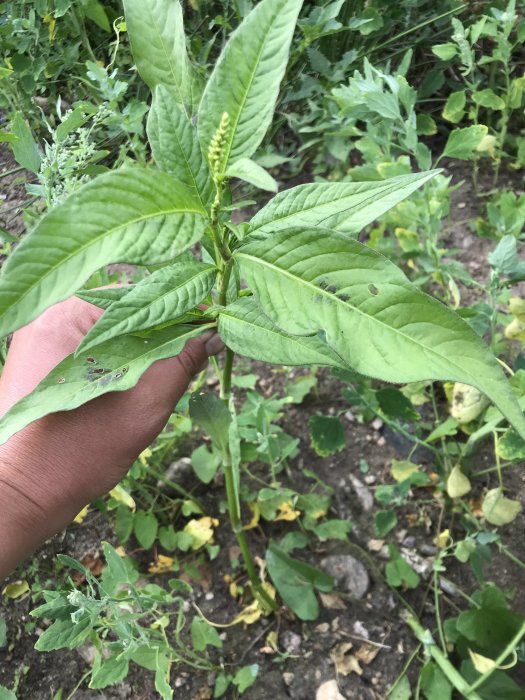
[
  {"x": 167, "y": 54},
  {"x": 77, "y": 251},
  {"x": 246, "y": 92},
  {"x": 279, "y": 334},
  {"x": 332, "y": 297},
  {"x": 284, "y": 217}
]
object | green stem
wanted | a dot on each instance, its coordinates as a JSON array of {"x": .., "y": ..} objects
[
  {"x": 240, "y": 535},
  {"x": 511, "y": 646},
  {"x": 455, "y": 678}
]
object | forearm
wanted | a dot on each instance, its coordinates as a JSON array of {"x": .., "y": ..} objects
[{"x": 36, "y": 500}]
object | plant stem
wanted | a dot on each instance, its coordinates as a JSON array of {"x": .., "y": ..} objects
[
  {"x": 511, "y": 646},
  {"x": 455, "y": 678}
]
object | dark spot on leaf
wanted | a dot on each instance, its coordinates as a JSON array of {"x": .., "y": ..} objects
[
  {"x": 98, "y": 370},
  {"x": 343, "y": 297},
  {"x": 373, "y": 289},
  {"x": 118, "y": 375},
  {"x": 61, "y": 380},
  {"x": 91, "y": 360},
  {"x": 331, "y": 288},
  {"x": 124, "y": 370}
]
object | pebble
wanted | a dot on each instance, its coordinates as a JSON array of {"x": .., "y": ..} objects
[
  {"x": 370, "y": 479},
  {"x": 290, "y": 641},
  {"x": 409, "y": 541},
  {"x": 329, "y": 691},
  {"x": 288, "y": 678},
  {"x": 349, "y": 573},
  {"x": 364, "y": 496},
  {"x": 377, "y": 424},
  {"x": 360, "y": 630}
]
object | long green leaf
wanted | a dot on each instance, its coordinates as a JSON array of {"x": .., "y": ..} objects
[
  {"x": 314, "y": 281},
  {"x": 344, "y": 206},
  {"x": 105, "y": 297},
  {"x": 167, "y": 294},
  {"x": 246, "y": 78},
  {"x": 131, "y": 215},
  {"x": 156, "y": 32},
  {"x": 175, "y": 146},
  {"x": 248, "y": 331},
  {"x": 115, "y": 366}
]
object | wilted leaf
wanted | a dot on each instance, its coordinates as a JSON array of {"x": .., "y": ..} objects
[
  {"x": 457, "y": 483},
  {"x": 16, "y": 589},
  {"x": 201, "y": 531},
  {"x": 498, "y": 509},
  {"x": 467, "y": 403}
]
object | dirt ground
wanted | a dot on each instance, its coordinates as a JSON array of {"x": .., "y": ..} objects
[{"x": 363, "y": 610}]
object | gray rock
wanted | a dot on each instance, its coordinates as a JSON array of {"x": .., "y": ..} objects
[
  {"x": 363, "y": 494},
  {"x": 291, "y": 641},
  {"x": 349, "y": 573}
]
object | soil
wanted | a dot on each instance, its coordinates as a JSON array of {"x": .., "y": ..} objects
[{"x": 304, "y": 662}]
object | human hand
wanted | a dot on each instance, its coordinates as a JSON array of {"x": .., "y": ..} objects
[{"x": 52, "y": 468}]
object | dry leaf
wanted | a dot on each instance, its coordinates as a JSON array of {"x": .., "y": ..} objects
[
  {"x": 367, "y": 653},
  {"x": 344, "y": 662},
  {"x": 331, "y": 601}
]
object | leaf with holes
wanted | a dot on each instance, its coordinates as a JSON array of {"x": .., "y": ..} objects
[
  {"x": 166, "y": 295},
  {"x": 246, "y": 78},
  {"x": 344, "y": 206},
  {"x": 116, "y": 365},
  {"x": 310, "y": 281},
  {"x": 132, "y": 215}
]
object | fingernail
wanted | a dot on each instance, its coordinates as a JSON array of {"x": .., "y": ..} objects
[{"x": 214, "y": 344}]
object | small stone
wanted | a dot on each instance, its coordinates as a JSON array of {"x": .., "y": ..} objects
[
  {"x": 350, "y": 416},
  {"x": 329, "y": 691},
  {"x": 377, "y": 424},
  {"x": 381, "y": 442},
  {"x": 291, "y": 642},
  {"x": 428, "y": 549},
  {"x": 288, "y": 678},
  {"x": 409, "y": 542},
  {"x": 349, "y": 573},
  {"x": 364, "y": 496},
  {"x": 360, "y": 630},
  {"x": 375, "y": 545},
  {"x": 401, "y": 534},
  {"x": 370, "y": 479},
  {"x": 209, "y": 596},
  {"x": 323, "y": 628}
]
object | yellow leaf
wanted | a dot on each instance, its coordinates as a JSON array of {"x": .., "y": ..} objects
[
  {"x": 517, "y": 308},
  {"x": 402, "y": 469},
  {"x": 162, "y": 565},
  {"x": 487, "y": 145},
  {"x": 80, "y": 517},
  {"x": 286, "y": 512},
  {"x": 145, "y": 455},
  {"x": 443, "y": 539},
  {"x": 467, "y": 403},
  {"x": 122, "y": 496},
  {"x": 201, "y": 531},
  {"x": 162, "y": 622},
  {"x": 482, "y": 664},
  {"x": 457, "y": 483},
  {"x": 515, "y": 330},
  {"x": 498, "y": 509},
  {"x": 16, "y": 589},
  {"x": 256, "y": 515}
]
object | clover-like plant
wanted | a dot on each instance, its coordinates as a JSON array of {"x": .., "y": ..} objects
[{"x": 292, "y": 286}]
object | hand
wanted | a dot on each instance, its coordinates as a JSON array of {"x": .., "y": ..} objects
[{"x": 50, "y": 470}]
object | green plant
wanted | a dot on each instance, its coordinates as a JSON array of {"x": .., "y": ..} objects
[
  {"x": 484, "y": 52},
  {"x": 340, "y": 295}
]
